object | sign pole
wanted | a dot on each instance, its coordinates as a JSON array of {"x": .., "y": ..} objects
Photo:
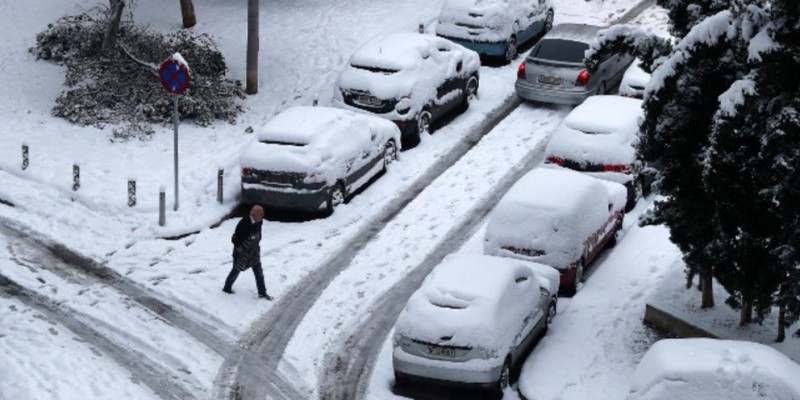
[{"x": 175, "y": 123}]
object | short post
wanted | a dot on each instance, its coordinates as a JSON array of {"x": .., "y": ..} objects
[
  {"x": 162, "y": 206},
  {"x": 76, "y": 177},
  {"x": 421, "y": 28},
  {"x": 24, "y": 157},
  {"x": 220, "y": 172},
  {"x": 316, "y": 100},
  {"x": 131, "y": 192}
]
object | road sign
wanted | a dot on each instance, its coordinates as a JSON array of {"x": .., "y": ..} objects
[{"x": 174, "y": 76}]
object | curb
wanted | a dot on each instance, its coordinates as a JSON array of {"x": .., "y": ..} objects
[{"x": 658, "y": 318}]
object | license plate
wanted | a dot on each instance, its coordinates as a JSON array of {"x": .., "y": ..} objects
[
  {"x": 550, "y": 80},
  {"x": 441, "y": 351},
  {"x": 367, "y": 100}
]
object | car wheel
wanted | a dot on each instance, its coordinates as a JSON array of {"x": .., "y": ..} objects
[
  {"x": 634, "y": 194},
  {"x": 613, "y": 240},
  {"x": 336, "y": 197},
  {"x": 389, "y": 154},
  {"x": 505, "y": 379},
  {"x": 423, "y": 123},
  {"x": 548, "y": 22},
  {"x": 471, "y": 88},
  {"x": 551, "y": 312},
  {"x": 571, "y": 289},
  {"x": 511, "y": 50}
]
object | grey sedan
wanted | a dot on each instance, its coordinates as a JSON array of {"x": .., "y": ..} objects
[{"x": 554, "y": 71}]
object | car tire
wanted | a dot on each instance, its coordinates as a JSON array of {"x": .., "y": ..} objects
[
  {"x": 504, "y": 381},
  {"x": 548, "y": 22},
  {"x": 389, "y": 154},
  {"x": 336, "y": 197},
  {"x": 511, "y": 50},
  {"x": 634, "y": 194},
  {"x": 423, "y": 121},
  {"x": 571, "y": 289},
  {"x": 470, "y": 91},
  {"x": 613, "y": 240}
]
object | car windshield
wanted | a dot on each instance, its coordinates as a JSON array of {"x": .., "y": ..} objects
[{"x": 560, "y": 50}]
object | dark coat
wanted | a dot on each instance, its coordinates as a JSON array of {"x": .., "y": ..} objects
[{"x": 247, "y": 236}]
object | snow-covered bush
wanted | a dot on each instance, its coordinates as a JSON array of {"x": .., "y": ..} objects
[{"x": 123, "y": 86}]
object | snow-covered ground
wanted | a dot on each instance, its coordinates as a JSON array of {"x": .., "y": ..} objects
[{"x": 303, "y": 47}]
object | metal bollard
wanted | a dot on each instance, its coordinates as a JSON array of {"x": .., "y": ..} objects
[
  {"x": 76, "y": 177},
  {"x": 220, "y": 172},
  {"x": 131, "y": 192},
  {"x": 316, "y": 100},
  {"x": 162, "y": 206},
  {"x": 421, "y": 28},
  {"x": 24, "y": 157}
]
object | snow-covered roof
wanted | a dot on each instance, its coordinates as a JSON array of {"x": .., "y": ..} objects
[
  {"x": 550, "y": 210},
  {"x": 395, "y": 51},
  {"x": 601, "y": 130},
  {"x": 474, "y": 299},
  {"x": 710, "y": 369},
  {"x": 315, "y": 139},
  {"x": 576, "y": 32}
]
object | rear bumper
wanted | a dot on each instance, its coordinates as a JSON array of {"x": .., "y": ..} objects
[
  {"x": 491, "y": 49},
  {"x": 446, "y": 373},
  {"x": 308, "y": 200},
  {"x": 546, "y": 94}
]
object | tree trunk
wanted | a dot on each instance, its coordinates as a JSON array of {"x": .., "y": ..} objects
[
  {"x": 781, "y": 324},
  {"x": 252, "y": 47},
  {"x": 187, "y": 12},
  {"x": 707, "y": 287},
  {"x": 114, "y": 20},
  {"x": 689, "y": 278},
  {"x": 746, "y": 315}
]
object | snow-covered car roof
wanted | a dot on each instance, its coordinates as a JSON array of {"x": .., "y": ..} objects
[
  {"x": 469, "y": 298},
  {"x": 710, "y": 369},
  {"x": 552, "y": 210},
  {"x": 306, "y": 139},
  {"x": 395, "y": 51},
  {"x": 575, "y": 32},
  {"x": 600, "y": 130}
]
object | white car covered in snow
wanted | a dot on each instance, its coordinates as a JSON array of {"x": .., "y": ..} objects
[
  {"x": 710, "y": 369},
  {"x": 597, "y": 138},
  {"x": 494, "y": 28},
  {"x": 313, "y": 158},
  {"x": 556, "y": 217},
  {"x": 473, "y": 321},
  {"x": 634, "y": 81},
  {"x": 410, "y": 78}
]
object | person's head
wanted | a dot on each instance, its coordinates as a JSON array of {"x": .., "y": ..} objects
[{"x": 257, "y": 212}]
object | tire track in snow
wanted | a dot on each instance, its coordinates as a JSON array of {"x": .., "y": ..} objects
[
  {"x": 76, "y": 267},
  {"x": 149, "y": 372}
]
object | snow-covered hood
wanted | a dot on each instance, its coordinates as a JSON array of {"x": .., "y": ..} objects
[{"x": 283, "y": 158}]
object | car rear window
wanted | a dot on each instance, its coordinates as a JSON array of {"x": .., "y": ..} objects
[
  {"x": 378, "y": 70},
  {"x": 285, "y": 143},
  {"x": 560, "y": 50}
]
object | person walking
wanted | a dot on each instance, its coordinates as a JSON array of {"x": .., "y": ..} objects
[{"x": 247, "y": 251}]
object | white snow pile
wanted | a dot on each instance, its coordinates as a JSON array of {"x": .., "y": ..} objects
[
  {"x": 317, "y": 140},
  {"x": 710, "y": 369},
  {"x": 601, "y": 130},
  {"x": 485, "y": 20},
  {"x": 735, "y": 96},
  {"x": 474, "y": 299},
  {"x": 405, "y": 66},
  {"x": 548, "y": 214}
]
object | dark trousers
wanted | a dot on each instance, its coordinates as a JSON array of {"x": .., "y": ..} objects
[{"x": 257, "y": 271}]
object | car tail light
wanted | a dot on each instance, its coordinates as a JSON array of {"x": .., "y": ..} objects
[
  {"x": 625, "y": 169},
  {"x": 583, "y": 78},
  {"x": 555, "y": 160},
  {"x": 247, "y": 172},
  {"x": 521, "y": 71}
]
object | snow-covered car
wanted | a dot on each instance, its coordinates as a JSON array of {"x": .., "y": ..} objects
[
  {"x": 494, "y": 28},
  {"x": 634, "y": 81},
  {"x": 412, "y": 79},
  {"x": 473, "y": 321},
  {"x": 597, "y": 138},
  {"x": 556, "y": 217},
  {"x": 711, "y": 369},
  {"x": 313, "y": 158},
  {"x": 554, "y": 71}
]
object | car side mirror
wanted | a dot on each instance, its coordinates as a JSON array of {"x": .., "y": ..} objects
[
  {"x": 521, "y": 279},
  {"x": 459, "y": 66},
  {"x": 610, "y": 206}
]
